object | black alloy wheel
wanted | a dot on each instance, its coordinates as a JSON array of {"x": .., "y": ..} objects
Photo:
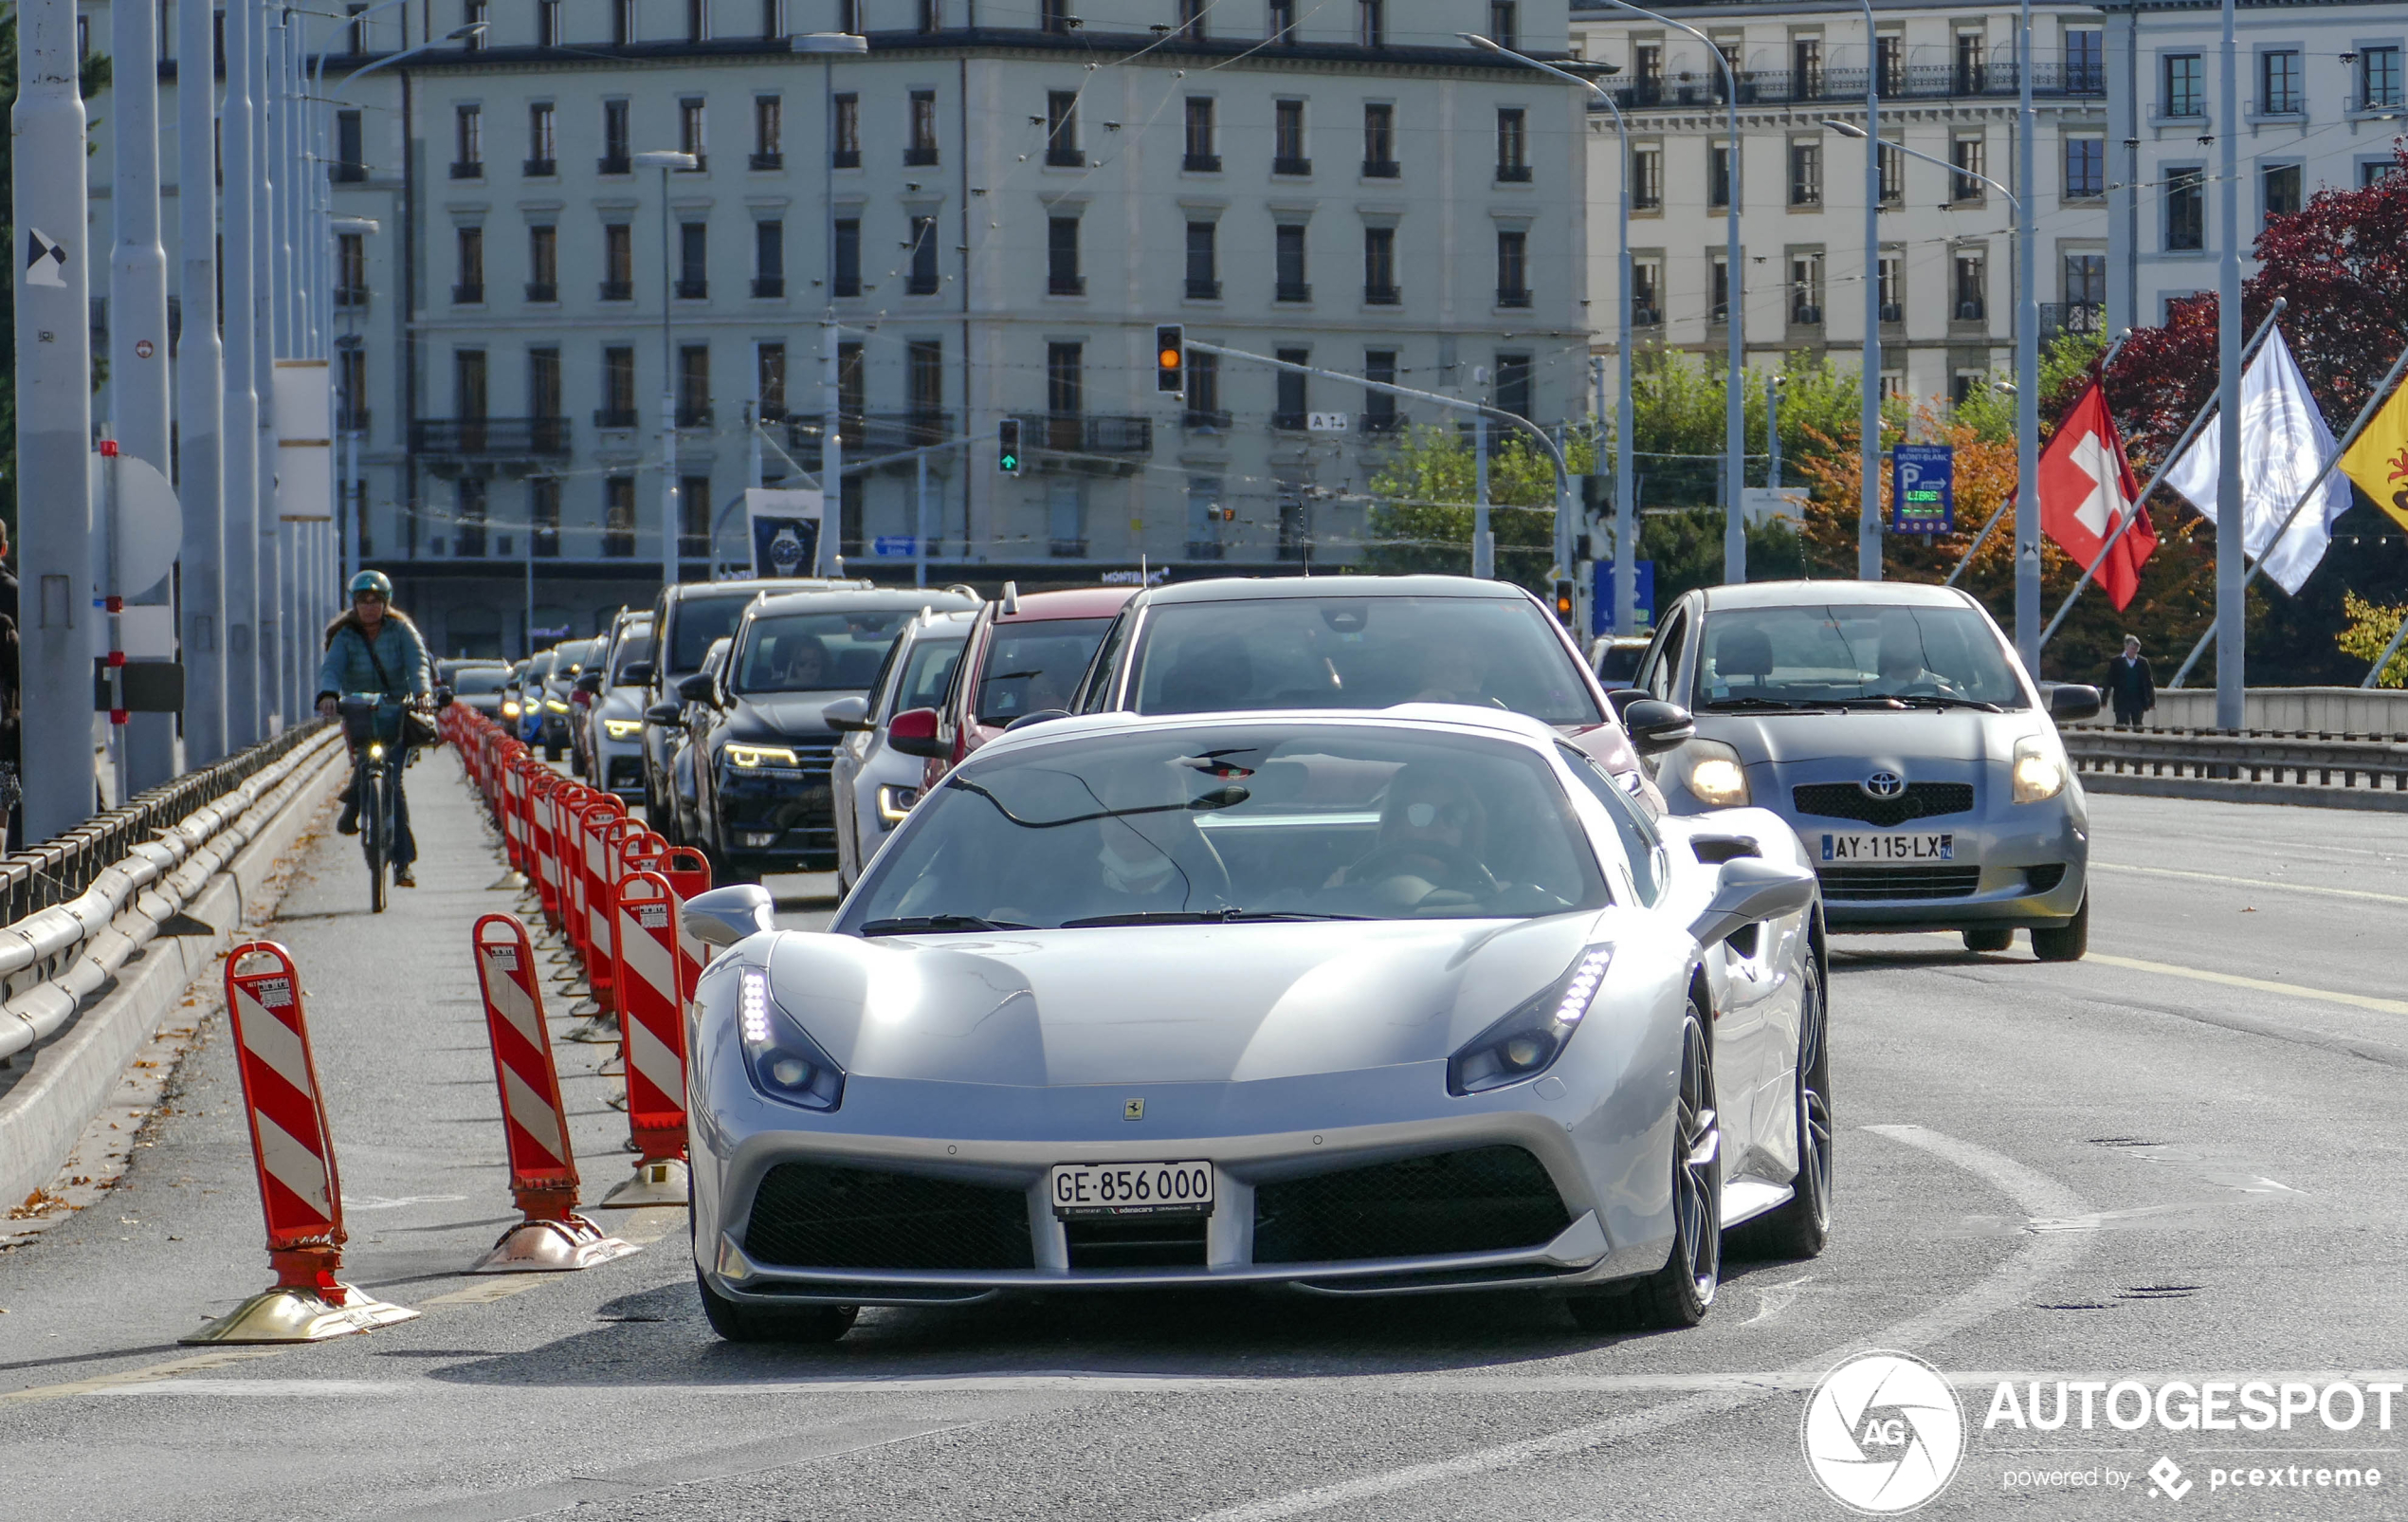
[
  {"x": 1679, "y": 1294},
  {"x": 2069, "y": 941},
  {"x": 1989, "y": 940}
]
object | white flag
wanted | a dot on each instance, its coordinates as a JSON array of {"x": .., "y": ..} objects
[{"x": 2284, "y": 444}]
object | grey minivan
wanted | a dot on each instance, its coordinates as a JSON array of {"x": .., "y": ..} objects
[{"x": 1892, "y": 725}]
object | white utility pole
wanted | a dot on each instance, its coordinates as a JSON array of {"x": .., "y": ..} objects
[
  {"x": 667, "y": 161},
  {"x": 200, "y": 378},
  {"x": 2232, "y": 583},
  {"x": 137, "y": 327},
  {"x": 268, "y": 567},
  {"x": 240, "y": 456}
]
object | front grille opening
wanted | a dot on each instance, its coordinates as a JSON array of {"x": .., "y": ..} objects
[
  {"x": 1846, "y": 800},
  {"x": 1483, "y": 1199},
  {"x": 810, "y": 1214},
  {"x": 1137, "y": 1242},
  {"x": 1855, "y": 884}
]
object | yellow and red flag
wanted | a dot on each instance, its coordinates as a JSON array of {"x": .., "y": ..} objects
[{"x": 2379, "y": 460}]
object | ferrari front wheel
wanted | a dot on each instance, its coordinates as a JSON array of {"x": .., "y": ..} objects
[
  {"x": 1679, "y": 1294},
  {"x": 1801, "y": 1228},
  {"x": 742, "y": 1323}
]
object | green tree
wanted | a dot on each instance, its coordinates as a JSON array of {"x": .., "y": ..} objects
[
  {"x": 1424, "y": 491},
  {"x": 2368, "y": 634}
]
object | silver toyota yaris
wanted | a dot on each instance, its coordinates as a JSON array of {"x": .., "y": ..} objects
[{"x": 1892, "y": 725}]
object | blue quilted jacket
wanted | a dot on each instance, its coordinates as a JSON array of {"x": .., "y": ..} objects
[{"x": 347, "y": 668}]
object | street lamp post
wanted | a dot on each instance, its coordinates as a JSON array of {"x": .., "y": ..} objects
[
  {"x": 1625, "y": 510},
  {"x": 200, "y": 403},
  {"x": 2231, "y": 586},
  {"x": 1734, "y": 315},
  {"x": 828, "y": 45},
  {"x": 1868, "y": 372},
  {"x": 668, "y": 161}
]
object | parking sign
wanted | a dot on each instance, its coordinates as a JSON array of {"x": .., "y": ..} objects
[{"x": 1923, "y": 488}]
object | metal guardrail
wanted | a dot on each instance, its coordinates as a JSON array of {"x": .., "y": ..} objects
[{"x": 2293, "y": 758}]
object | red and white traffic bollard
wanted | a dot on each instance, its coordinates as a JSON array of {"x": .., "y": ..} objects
[
  {"x": 645, "y": 929},
  {"x": 553, "y": 1238},
  {"x": 299, "y": 1189},
  {"x": 689, "y": 872}
]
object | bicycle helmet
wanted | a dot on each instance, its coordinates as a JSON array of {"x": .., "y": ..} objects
[{"x": 375, "y": 581}]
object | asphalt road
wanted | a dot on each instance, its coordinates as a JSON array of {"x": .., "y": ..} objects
[{"x": 2177, "y": 1160}]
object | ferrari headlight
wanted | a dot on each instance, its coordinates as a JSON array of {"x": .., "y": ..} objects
[
  {"x": 623, "y": 729},
  {"x": 1711, "y": 771},
  {"x": 894, "y": 803},
  {"x": 750, "y": 756},
  {"x": 509, "y": 708},
  {"x": 2040, "y": 768},
  {"x": 785, "y": 1062},
  {"x": 1528, "y": 1041}
]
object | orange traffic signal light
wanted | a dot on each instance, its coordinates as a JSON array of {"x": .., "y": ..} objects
[{"x": 1170, "y": 359}]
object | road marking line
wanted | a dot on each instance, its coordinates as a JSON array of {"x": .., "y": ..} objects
[
  {"x": 2262, "y": 986},
  {"x": 2251, "y": 882},
  {"x": 146, "y": 1373},
  {"x": 2040, "y": 1258},
  {"x": 490, "y": 1291}
]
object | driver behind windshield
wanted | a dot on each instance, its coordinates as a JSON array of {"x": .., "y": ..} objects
[
  {"x": 806, "y": 664},
  {"x": 1432, "y": 839}
]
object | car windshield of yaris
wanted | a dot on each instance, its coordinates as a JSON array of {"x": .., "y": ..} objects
[
  {"x": 817, "y": 651},
  {"x": 1832, "y": 655},
  {"x": 1359, "y": 652},
  {"x": 1231, "y": 823}
]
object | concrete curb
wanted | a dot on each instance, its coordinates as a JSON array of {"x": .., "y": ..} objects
[
  {"x": 2212, "y": 789},
  {"x": 73, "y": 1075}
]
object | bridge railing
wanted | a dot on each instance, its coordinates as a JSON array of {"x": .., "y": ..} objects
[{"x": 2293, "y": 758}]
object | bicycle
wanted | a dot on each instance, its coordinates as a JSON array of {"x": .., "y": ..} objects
[{"x": 372, "y": 725}]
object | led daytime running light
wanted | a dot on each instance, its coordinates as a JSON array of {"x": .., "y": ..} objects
[{"x": 751, "y": 1005}]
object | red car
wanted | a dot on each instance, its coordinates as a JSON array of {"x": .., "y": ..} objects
[{"x": 1024, "y": 655}]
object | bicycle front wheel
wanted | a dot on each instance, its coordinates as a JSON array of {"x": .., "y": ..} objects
[{"x": 375, "y": 833}]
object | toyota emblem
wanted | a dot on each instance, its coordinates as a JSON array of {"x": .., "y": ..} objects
[{"x": 1884, "y": 785}]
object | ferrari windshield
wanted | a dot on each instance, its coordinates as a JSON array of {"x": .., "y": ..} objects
[
  {"x": 1835, "y": 654},
  {"x": 1355, "y": 651},
  {"x": 817, "y": 651},
  {"x": 1232, "y": 822}
]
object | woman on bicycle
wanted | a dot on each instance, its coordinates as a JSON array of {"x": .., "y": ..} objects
[{"x": 374, "y": 648}]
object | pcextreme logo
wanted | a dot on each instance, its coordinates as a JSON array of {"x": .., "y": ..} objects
[{"x": 1883, "y": 1433}]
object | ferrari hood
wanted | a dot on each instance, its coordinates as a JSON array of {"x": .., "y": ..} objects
[{"x": 1164, "y": 1004}]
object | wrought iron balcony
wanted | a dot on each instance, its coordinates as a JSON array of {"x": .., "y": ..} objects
[
  {"x": 1294, "y": 290},
  {"x": 489, "y": 438},
  {"x": 615, "y": 164},
  {"x": 466, "y": 294},
  {"x": 1203, "y": 290},
  {"x": 1205, "y": 421},
  {"x": 919, "y": 157},
  {"x": 1066, "y": 285},
  {"x": 769, "y": 287},
  {"x": 1201, "y": 163},
  {"x": 351, "y": 295},
  {"x": 1899, "y": 83},
  {"x": 543, "y": 291},
  {"x": 845, "y": 159},
  {"x": 1066, "y": 157},
  {"x": 2058, "y": 318},
  {"x": 614, "y": 417},
  {"x": 1283, "y": 164},
  {"x": 1098, "y": 433},
  {"x": 1513, "y": 174},
  {"x": 541, "y": 168},
  {"x": 766, "y": 162},
  {"x": 693, "y": 290},
  {"x": 1381, "y": 169},
  {"x": 618, "y": 290},
  {"x": 1510, "y": 296},
  {"x": 1382, "y": 296},
  {"x": 467, "y": 170}
]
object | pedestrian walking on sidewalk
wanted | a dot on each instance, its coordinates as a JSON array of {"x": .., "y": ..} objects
[
  {"x": 2130, "y": 686},
  {"x": 374, "y": 648}
]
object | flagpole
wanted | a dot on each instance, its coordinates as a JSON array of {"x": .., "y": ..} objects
[
  {"x": 2365, "y": 416},
  {"x": 2172, "y": 455}
]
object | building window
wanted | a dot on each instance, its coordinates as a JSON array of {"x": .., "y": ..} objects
[
  {"x": 614, "y": 160},
  {"x": 1279, "y": 19},
  {"x": 543, "y": 263},
  {"x": 1054, "y": 15},
  {"x": 2279, "y": 85},
  {"x": 2085, "y": 168},
  {"x": 1287, "y": 139},
  {"x": 769, "y": 380},
  {"x": 1062, "y": 129},
  {"x": 694, "y": 385},
  {"x": 1647, "y": 293},
  {"x": 547, "y": 23},
  {"x": 2373, "y": 172},
  {"x": 693, "y": 261},
  {"x": 1647, "y": 178},
  {"x": 1513, "y": 267},
  {"x": 2186, "y": 85},
  {"x": 2281, "y": 187},
  {"x": 543, "y": 517},
  {"x": 694, "y": 518},
  {"x": 1969, "y": 156},
  {"x": 1203, "y": 261},
  {"x": 1889, "y": 64},
  {"x": 1203, "y": 152},
  {"x": 1062, "y": 276},
  {"x": 543, "y": 140},
  {"x": 2085, "y": 60},
  {"x": 1504, "y": 26},
  {"x": 1717, "y": 307},
  {"x": 469, "y": 401},
  {"x": 1380, "y": 267},
  {"x": 350, "y": 158},
  {"x": 1191, "y": 17},
  {"x": 2378, "y": 78},
  {"x": 1806, "y": 289},
  {"x": 925, "y": 383},
  {"x": 618, "y": 262},
  {"x": 1066, "y": 380},
  {"x": 1718, "y": 176},
  {"x": 467, "y": 142},
  {"x": 470, "y": 287},
  {"x": 2085, "y": 276},
  {"x": 1379, "y": 406},
  {"x": 769, "y": 258},
  {"x": 852, "y": 389},
  {"x": 1204, "y": 391},
  {"x": 769, "y": 132},
  {"x": 618, "y": 518},
  {"x": 472, "y": 13},
  {"x": 1379, "y": 140},
  {"x": 351, "y": 270},
  {"x": 1065, "y": 520},
  {"x": 2187, "y": 210},
  {"x": 622, "y": 21},
  {"x": 923, "y": 280},
  {"x": 1647, "y": 73},
  {"x": 619, "y": 388},
  {"x": 1806, "y": 68},
  {"x": 1288, "y": 259},
  {"x": 1513, "y": 384},
  {"x": 355, "y": 35},
  {"x": 1971, "y": 47},
  {"x": 923, "y": 150},
  {"x": 1893, "y": 176},
  {"x": 468, "y": 518},
  {"x": 1972, "y": 287},
  {"x": 1805, "y": 172},
  {"x": 847, "y": 275},
  {"x": 1371, "y": 23},
  {"x": 351, "y": 388},
  {"x": 543, "y": 382},
  {"x": 691, "y": 136},
  {"x": 1513, "y": 146},
  {"x": 1292, "y": 397},
  {"x": 847, "y": 132},
  {"x": 698, "y": 24},
  {"x": 932, "y": 15},
  {"x": 1893, "y": 285}
]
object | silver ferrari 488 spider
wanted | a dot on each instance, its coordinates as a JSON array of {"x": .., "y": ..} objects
[{"x": 1351, "y": 1003}]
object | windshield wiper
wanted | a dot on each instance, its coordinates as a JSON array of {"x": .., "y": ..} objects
[
  {"x": 1202, "y": 917},
  {"x": 1783, "y": 704},
  {"x": 1918, "y": 700},
  {"x": 937, "y": 924}
]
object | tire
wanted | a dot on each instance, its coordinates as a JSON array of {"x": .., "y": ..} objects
[
  {"x": 2069, "y": 941},
  {"x": 552, "y": 753},
  {"x": 1679, "y": 1294},
  {"x": 1801, "y": 1228},
  {"x": 376, "y": 819},
  {"x": 1991, "y": 940},
  {"x": 761, "y": 1324}
]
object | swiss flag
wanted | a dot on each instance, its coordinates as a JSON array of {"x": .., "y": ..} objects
[{"x": 2085, "y": 487}]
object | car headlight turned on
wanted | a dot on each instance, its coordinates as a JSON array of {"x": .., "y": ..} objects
[
  {"x": 751, "y": 758},
  {"x": 1526, "y": 1042},
  {"x": 2038, "y": 769},
  {"x": 894, "y": 803},
  {"x": 623, "y": 729},
  {"x": 509, "y": 709},
  {"x": 1712, "y": 773},
  {"x": 785, "y": 1062}
]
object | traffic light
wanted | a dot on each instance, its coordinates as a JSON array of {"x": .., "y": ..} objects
[
  {"x": 1170, "y": 359},
  {"x": 1564, "y": 607},
  {"x": 1008, "y": 446}
]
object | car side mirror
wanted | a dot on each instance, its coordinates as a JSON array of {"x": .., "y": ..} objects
[
  {"x": 700, "y": 687},
  {"x": 1622, "y": 697},
  {"x": 636, "y": 673},
  {"x": 850, "y": 715},
  {"x": 1037, "y": 717},
  {"x": 1748, "y": 890},
  {"x": 665, "y": 714},
  {"x": 2070, "y": 700},
  {"x": 913, "y": 732},
  {"x": 726, "y": 915},
  {"x": 1658, "y": 726},
  {"x": 590, "y": 683}
]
